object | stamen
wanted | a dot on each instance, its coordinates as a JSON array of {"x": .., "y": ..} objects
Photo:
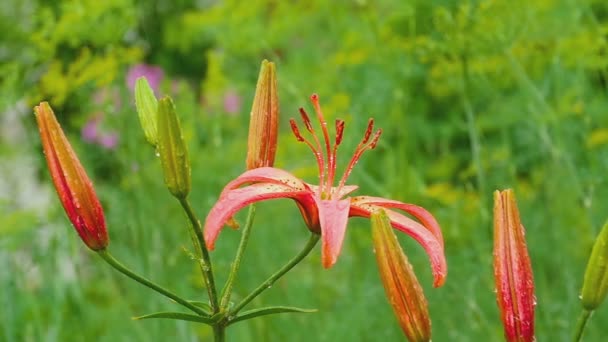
[
  {"x": 331, "y": 162},
  {"x": 372, "y": 145},
  {"x": 368, "y": 131},
  {"x": 363, "y": 146},
  {"x": 334, "y": 152},
  {"x": 295, "y": 130},
  {"x": 306, "y": 120},
  {"x": 315, "y": 150},
  {"x": 339, "y": 132}
]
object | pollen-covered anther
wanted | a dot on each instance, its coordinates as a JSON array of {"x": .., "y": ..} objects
[
  {"x": 368, "y": 131},
  {"x": 339, "y": 131},
  {"x": 306, "y": 120},
  {"x": 295, "y": 130},
  {"x": 375, "y": 139}
]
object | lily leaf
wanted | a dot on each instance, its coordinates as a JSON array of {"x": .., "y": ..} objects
[
  {"x": 268, "y": 311},
  {"x": 179, "y": 316},
  {"x": 203, "y": 305}
]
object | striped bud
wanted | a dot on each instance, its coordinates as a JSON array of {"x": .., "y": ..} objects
[
  {"x": 147, "y": 105},
  {"x": 400, "y": 283},
  {"x": 512, "y": 270},
  {"x": 172, "y": 150},
  {"x": 595, "y": 284},
  {"x": 264, "y": 118},
  {"x": 73, "y": 186}
]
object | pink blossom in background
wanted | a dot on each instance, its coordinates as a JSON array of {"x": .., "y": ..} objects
[
  {"x": 89, "y": 131},
  {"x": 154, "y": 74},
  {"x": 108, "y": 140},
  {"x": 232, "y": 102}
]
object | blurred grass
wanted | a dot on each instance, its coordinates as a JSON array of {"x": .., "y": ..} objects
[{"x": 472, "y": 97}]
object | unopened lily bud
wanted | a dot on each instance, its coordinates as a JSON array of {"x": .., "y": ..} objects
[
  {"x": 172, "y": 150},
  {"x": 263, "y": 124},
  {"x": 512, "y": 270},
  {"x": 73, "y": 186},
  {"x": 400, "y": 283},
  {"x": 146, "y": 105},
  {"x": 595, "y": 284}
]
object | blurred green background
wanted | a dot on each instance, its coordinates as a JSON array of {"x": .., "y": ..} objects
[{"x": 473, "y": 96}]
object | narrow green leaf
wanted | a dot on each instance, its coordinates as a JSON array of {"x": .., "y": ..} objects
[
  {"x": 146, "y": 105},
  {"x": 203, "y": 305},
  {"x": 179, "y": 316},
  {"x": 271, "y": 310}
]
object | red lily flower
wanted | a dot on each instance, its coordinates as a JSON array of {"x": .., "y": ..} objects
[{"x": 325, "y": 208}]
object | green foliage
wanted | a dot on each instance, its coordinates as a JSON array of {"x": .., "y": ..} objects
[{"x": 472, "y": 97}]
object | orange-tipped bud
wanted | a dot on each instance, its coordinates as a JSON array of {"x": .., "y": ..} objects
[
  {"x": 512, "y": 270},
  {"x": 400, "y": 283},
  {"x": 73, "y": 186},
  {"x": 263, "y": 124}
]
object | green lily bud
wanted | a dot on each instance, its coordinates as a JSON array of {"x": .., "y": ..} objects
[
  {"x": 146, "y": 105},
  {"x": 595, "y": 284},
  {"x": 172, "y": 150}
]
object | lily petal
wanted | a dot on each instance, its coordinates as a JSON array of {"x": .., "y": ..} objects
[
  {"x": 234, "y": 200},
  {"x": 267, "y": 175},
  {"x": 431, "y": 244},
  {"x": 418, "y": 212},
  {"x": 333, "y": 217}
]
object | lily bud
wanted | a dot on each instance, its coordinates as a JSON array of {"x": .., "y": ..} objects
[
  {"x": 172, "y": 150},
  {"x": 512, "y": 270},
  {"x": 595, "y": 284},
  {"x": 264, "y": 118},
  {"x": 147, "y": 106},
  {"x": 73, "y": 186},
  {"x": 400, "y": 283}
]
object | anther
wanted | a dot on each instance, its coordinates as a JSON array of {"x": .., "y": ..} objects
[
  {"x": 339, "y": 131},
  {"x": 306, "y": 120},
  {"x": 295, "y": 130},
  {"x": 368, "y": 131},
  {"x": 375, "y": 139}
]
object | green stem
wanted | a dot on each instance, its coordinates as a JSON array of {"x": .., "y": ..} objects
[
  {"x": 227, "y": 291},
  {"x": 312, "y": 242},
  {"x": 219, "y": 333},
  {"x": 580, "y": 326},
  {"x": 105, "y": 255},
  {"x": 205, "y": 259}
]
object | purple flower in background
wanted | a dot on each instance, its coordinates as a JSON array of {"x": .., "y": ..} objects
[
  {"x": 154, "y": 74},
  {"x": 89, "y": 131},
  {"x": 232, "y": 102},
  {"x": 108, "y": 140}
]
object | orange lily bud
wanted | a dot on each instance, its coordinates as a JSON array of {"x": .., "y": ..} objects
[
  {"x": 512, "y": 270},
  {"x": 73, "y": 186},
  {"x": 400, "y": 283},
  {"x": 263, "y": 125}
]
